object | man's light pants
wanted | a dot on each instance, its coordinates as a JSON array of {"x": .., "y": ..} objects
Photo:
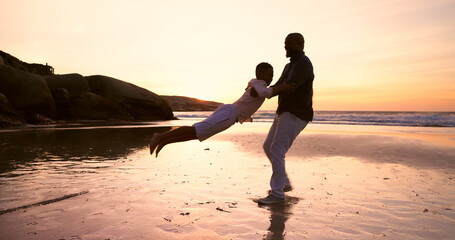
[{"x": 285, "y": 128}]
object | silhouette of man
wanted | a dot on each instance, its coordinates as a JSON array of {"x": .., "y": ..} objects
[{"x": 295, "y": 110}]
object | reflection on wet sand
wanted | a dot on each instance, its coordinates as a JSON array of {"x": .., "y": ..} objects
[
  {"x": 279, "y": 214},
  {"x": 20, "y": 148},
  {"x": 40, "y": 166}
]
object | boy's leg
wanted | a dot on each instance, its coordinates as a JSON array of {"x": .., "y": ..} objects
[
  {"x": 179, "y": 138},
  {"x": 180, "y": 134},
  {"x": 288, "y": 128},
  {"x": 223, "y": 118}
]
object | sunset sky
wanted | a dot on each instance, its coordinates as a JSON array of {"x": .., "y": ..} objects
[{"x": 367, "y": 55}]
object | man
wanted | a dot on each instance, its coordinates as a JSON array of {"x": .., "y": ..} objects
[{"x": 295, "y": 110}]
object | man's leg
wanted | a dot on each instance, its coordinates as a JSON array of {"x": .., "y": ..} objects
[
  {"x": 267, "y": 144},
  {"x": 269, "y": 139},
  {"x": 287, "y": 129}
]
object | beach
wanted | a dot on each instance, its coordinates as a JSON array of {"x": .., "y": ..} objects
[{"x": 350, "y": 182}]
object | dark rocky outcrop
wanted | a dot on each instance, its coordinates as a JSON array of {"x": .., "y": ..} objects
[
  {"x": 31, "y": 93},
  {"x": 28, "y": 93},
  {"x": 179, "y": 103},
  {"x": 92, "y": 106},
  {"x": 74, "y": 83},
  {"x": 8, "y": 115},
  {"x": 139, "y": 102}
]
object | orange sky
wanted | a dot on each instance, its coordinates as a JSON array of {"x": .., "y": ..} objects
[{"x": 367, "y": 55}]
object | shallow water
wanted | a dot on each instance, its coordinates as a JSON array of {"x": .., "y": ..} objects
[{"x": 35, "y": 161}]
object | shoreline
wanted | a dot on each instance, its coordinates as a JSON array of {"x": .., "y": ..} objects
[{"x": 349, "y": 183}]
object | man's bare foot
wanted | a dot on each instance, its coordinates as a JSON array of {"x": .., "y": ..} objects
[{"x": 154, "y": 142}]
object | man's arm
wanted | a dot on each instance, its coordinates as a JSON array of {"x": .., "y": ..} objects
[{"x": 282, "y": 88}]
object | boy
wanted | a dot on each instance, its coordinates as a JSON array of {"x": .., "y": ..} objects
[{"x": 228, "y": 114}]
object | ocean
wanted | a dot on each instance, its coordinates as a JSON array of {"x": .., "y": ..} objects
[{"x": 410, "y": 119}]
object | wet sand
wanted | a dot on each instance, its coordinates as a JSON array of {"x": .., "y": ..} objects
[{"x": 350, "y": 182}]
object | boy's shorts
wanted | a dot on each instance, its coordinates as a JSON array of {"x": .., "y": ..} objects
[{"x": 220, "y": 120}]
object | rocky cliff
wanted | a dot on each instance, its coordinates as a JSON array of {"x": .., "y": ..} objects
[{"x": 33, "y": 94}]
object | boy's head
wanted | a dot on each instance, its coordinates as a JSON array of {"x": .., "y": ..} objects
[{"x": 264, "y": 71}]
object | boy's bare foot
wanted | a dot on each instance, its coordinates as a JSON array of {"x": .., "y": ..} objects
[
  {"x": 158, "y": 149},
  {"x": 154, "y": 142}
]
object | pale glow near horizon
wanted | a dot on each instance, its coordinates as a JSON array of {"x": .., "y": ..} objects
[{"x": 367, "y": 55}]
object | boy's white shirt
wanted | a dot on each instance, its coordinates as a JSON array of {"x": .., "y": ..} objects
[{"x": 247, "y": 105}]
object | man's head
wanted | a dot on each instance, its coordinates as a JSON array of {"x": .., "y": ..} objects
[
  {"x": 294, "y": 44},
  {"x": 264, "y": 71}
]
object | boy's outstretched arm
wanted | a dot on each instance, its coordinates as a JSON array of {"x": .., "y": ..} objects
[{"x": 282, "y": 88}]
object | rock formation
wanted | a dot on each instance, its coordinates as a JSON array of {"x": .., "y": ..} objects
[
  {"x": 33, "y": 94},
  {"x": 28, "y": 93},
  {"x": 8, "y": 115},
  {"x": 140, "y": 103}
]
